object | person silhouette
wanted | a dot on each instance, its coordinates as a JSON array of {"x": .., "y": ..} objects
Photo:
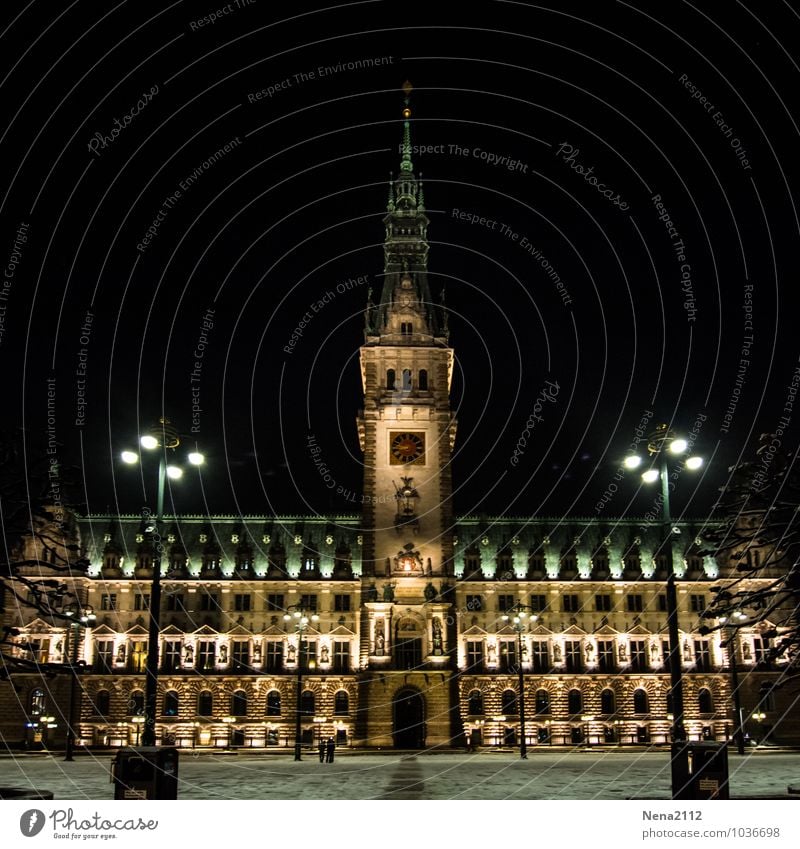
[
  {"x": 331, "y": 746},
  {"x": 321, "y": 751}
]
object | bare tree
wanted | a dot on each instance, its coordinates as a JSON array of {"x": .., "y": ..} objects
[{"x": 759, "y": 534}]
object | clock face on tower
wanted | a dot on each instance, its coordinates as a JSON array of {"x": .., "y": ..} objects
[{"x": 406, "y": 448}]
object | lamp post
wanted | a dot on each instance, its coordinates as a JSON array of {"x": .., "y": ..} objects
[
  {"x": 661, "y": 443},
  {"x": 517, "y": 617},
  {"x": 759, "y": 716},
  {"x": 137, "y": 721},
  {"x": 81, "y": 617},
  {"x": 730, "y": 644},
  {"x": 162, "y": 438},
  {"x": 229, "y": 721},
  {"x": 301, "y": 622}
]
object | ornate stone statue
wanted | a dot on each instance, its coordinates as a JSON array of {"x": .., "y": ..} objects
[
  {"x": 557, "y": 653},
  {"x": 380, "y": 641},
  {"x": 223, "y": 653},
  {"x": 324, "y": 655},
  {"x": 256, "y": 652},
  {"x": 188, "y": 654},
  {"x": 430, "y": 592},
  {"x": 623, "y": 655},
  {"x": 388, "y": 592},
  {"x": 372, "y": 592},
  {"x": 121, "y": 653},
  {"x": 437, "y": 635},
  {"x": 291, "y": 653}
]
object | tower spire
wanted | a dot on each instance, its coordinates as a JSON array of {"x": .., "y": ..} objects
[{"x": 405, "y": 161}]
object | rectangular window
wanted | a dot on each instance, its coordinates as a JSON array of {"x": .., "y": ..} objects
[
  {"x": 602, "y": 602},
  {"x": 108, "y": 601},
  {"x": 274, "y": 661},
  {"x": 569, "y": 603},
  {"x": 209, "y": 601},
  {"x": 175, "y": 602},
  {"x": 138, "y": 655},
  {"x": 241, "y": 655},
  {"x": 635, "y": 604},
  {"x": 241, "y": 601},
  {"x": 505, "y": 602},
  {"x": 408, "y": 653},
  {"x": 172, "y": 656},
  {"x": 702, "y": 656},
  {"x": 474, "y": 602},
  {"x": 40, "y": 649},
  {"x": 141, "y": 601},
  {"x": 341, "y": 656},
  {"x": 275, "y": 601},
  {"x": 697, "y": 603},
  {"x": 538, "y": 603},
  {"x": 341, "y": 603},
  {"x": 662, "y": 603},
  {"x": 761, "y": 647},
  {"x": 508, "y": 655},
  {"x": 541, "y": 656},
  {"x": 308, "y": 602},
  {"x": 104, "y": 657},
  {"x": 475, "y": 655},
  {"x": 308, "y": 654},
  {"x": 572, "y": 653},
  {"x": 206, "y": 655},
  {"x": 605, "y": 656},
  {"x": 638, "y": 656}
]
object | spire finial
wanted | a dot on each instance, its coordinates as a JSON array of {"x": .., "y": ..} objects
[{"x": 405, "y": 162}]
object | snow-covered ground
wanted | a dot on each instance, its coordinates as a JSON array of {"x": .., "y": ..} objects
[{"x": 489, "y": 775}]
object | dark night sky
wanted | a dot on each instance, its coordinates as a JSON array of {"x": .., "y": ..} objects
[{"x": 295, "y": 207}]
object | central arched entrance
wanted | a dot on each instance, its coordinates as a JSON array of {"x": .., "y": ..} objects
[{"x": 409, "y": 719}]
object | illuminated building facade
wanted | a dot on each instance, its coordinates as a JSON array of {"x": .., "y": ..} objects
[{"x": 410, "y": 649}]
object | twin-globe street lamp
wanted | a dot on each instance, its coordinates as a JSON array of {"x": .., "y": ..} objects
[
  {"x": 663, "y": 443},
  {"x": 518, "y": 617},
  {"x": 163, "y": 437},
  {"x": 302, "y": 622}
]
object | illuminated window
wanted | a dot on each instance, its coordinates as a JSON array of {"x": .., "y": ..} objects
[
  {"x": 38, "y": 702},
  {"x": 205, "y": 703},
  {"x": 273, "y": 703},
  {"x": 475, "y": 703},
  {"x": 138, "y": 656},
  {"x": 239, "y": 703},
  {"x": 171, "y": 704},
  {"x": 341, "y": 703},
  {"x": 641, "y": 704}
]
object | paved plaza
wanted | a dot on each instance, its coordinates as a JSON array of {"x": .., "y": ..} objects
[{"x": 600, "y": 774}]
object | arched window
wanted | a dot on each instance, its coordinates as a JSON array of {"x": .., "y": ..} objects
[
  {"x": 423, "y": 379},
  {"x": 475, "y": 703},
  {"x": 705, "y": 703},
  {"x": 608, "y": 703},
  {"x": 102, "y": 702},
  {"x": 509, "y": 702},
  {"x": 307, "y": 703},
  {"x": 205, "y": 703},
  {"x": 390, "y": 378},
  {"x": 37, "y": 701},
  {"x": 406, "y": 380},
  {"x": 574, "y": 701},
  {"x": 136, "y": 703},
  {"x": 406, "y": 328},
  {"x": 341, "y": 703},
  {"x": 273, "y": 703},
  {"x": 542, "y": 701},
  {"x": 239, "y": 703},
  {"x": 171, "y": 703},
  {"x": 640, "y": 702}
]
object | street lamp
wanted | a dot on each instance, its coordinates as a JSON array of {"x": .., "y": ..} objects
[
  {"x": 518, "y": 616},
  {"x": 662, "y": 443},
  {"x": 138, "y": 722},
  {"x": 229, "y": 720},
  {"x": 163, "y": 437},
  {"x": 80, "y": 617},
  {"x": 759, "y": 716},
  {"x": 730, "y": 643},
  {"x": 301, "y": 621}
]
